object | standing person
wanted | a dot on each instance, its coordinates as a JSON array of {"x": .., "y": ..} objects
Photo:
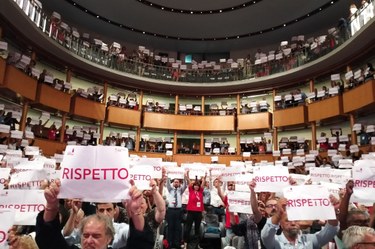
[
  {"x": 228, "y": 228},
  {"x": 97, "y": 230},
  {"x": 145, "y": 239},
  {"x": 291, "y": 236},
  {"x": 249, "y": 227},
  {"x": 194, "y": 207},
  {"x": 174, "y": 211}
]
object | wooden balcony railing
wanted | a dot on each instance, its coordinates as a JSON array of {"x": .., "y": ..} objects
[
  {"x": 54, "y": 98},
  {"x": 20, "y": 83},
  {"x": 290, "y": 116},
  {"x": 327, "y": 108},
  {"x": 122, "y": 116},
  {"x": 87, "y": 108},
  {"x": 255, "y": 121},
  {"x": 188, "y": 122},
  {"x": 359, "y": 97}
]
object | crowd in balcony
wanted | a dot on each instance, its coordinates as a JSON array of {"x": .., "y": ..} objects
[{"x": 144, "y": 62}]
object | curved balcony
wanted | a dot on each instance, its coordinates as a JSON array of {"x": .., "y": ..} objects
[
  {"x": 362, "y": 96},
  {"x": 293, "y": 116},
  {"x": 349, "y": 52},
  {"x": 255, "y": 121}
]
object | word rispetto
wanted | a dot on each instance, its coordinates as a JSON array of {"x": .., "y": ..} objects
[
  {"x": 95, "y": 173},
  {"x": 308, "y": 202},
  {"x": 364, "y": 183},
  {"x": 28, "y": 184},
  {"x": 3, "y": 236},
  {"x": 25, "y": 207},
  {"x": 271, "y": 179}
]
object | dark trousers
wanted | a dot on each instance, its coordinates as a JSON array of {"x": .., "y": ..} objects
[
  {"x": 192, "y": 216},
  {"x": 174, "y": 220}
]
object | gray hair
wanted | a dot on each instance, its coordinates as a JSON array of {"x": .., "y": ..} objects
[
  {"x": 108, "y": 224},
  {"x": 355, "y": 234}
]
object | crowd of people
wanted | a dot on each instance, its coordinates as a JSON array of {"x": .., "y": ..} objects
[{"x": 176, "y": 209}]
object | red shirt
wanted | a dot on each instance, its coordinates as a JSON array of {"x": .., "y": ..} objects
[
  {"x": 195, "y": 202},
  {"x": 227, "y": 215}
]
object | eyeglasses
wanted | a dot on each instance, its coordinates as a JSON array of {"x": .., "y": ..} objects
[
  {"x": 271, "y": 205},
  {"x": 230, "y": 185},
  {"x": 372, "y": 244}
]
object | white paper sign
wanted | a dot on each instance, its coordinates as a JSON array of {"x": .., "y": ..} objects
[
  {"x": 242, "y": 182},
  {"x": 95, "y": 173},
  {"x": 26, "y": 204},
  {"x": 330, "y": 175},
  {"x": 4, "y": 176},
  {"x": 230, "y": 174},
  {"x": 270, "y": 178},
  {"x": 7, "y": 221},
  {"x": 175, "y": 172},
  {"x": 28, "y": 179},
  {"x": 195, "y": 170},
  {"x": 142, "y": 174},
  {"x": 364, "y": 180},
  {"x": 239, "y": 202},
  {"x": 308, "y": 202}
]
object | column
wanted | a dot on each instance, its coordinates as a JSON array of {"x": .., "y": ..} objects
[
  {"x": 25, "y": 109},
  {"x": 353, "y": 133},
  {"x": 313, "y": 135},
  {"x": 202, "y": 106},
  {"x": 275, "y": 139},
  {"x": 62, "y": 130},
  {"x": 138, "y": 139},
  {"x": 176, "y": 105},
  {"x": 201, "y": 147},
  {"x": 175, "y": 143}
]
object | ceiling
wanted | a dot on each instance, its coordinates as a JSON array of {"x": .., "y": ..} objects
[{"x": 200, "y": 33}]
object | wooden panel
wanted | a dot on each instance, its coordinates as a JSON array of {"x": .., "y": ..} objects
[
  {"x": 189, "y": 158},
  {"x": 2, "y": 70},
  {"x": 119, "y": 115},
  {"x": 87, "y": 108},
  {"x": 254, "y": 121},
  {"x": 54, "y": 98},
  {"x": 187, "y": 122},
  {"x": 20, "y": 83},
  {"x": 324, "y": 109},
  {"x": 359, "y": 97},
  {"x": 49, "y": 147},
  {"x": 290, "y": 116}
]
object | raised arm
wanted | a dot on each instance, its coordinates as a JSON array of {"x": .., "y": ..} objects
[
  {"x": 159, "y": 202},
  {"x": 344, "y": 205},
  {"x": 134, "y": 207},
  {"x": 52, "y": 206},
  {"x": 203, "y": 181},
  {"x": 220, "y": 192},
  {"x": 254, "y": 203},
  {"x": 187, "y": 179},
  {"x": 162, "y": 181},
  {"x": 69, "y": 226}
]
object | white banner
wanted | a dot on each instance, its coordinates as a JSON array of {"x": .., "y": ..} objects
[
  {"x": 25, "y": 164},
  {"x": 308, "y": 202},
  {"x": 175, "y": 172},
  {"x": 239, "y": 202},
  {"x": 195, "y": 169},
  {"x": 4, "y": 176},
  {"x": 29, "y": 179},
  {"x": 95, "y": 173},
  {"x": 26, "y": 204},
  {"x": 364, "y": 180},
  {"x": 333, "y": 188},
  {"x": 242, "y": 182},
  {"x": 230, "y": 174},
  {"x": 340, "y": 176},
  {"x": 142, "y": 174},
  {"x": 271, "y": 178},
  {"x": 7, "y": 221}
]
